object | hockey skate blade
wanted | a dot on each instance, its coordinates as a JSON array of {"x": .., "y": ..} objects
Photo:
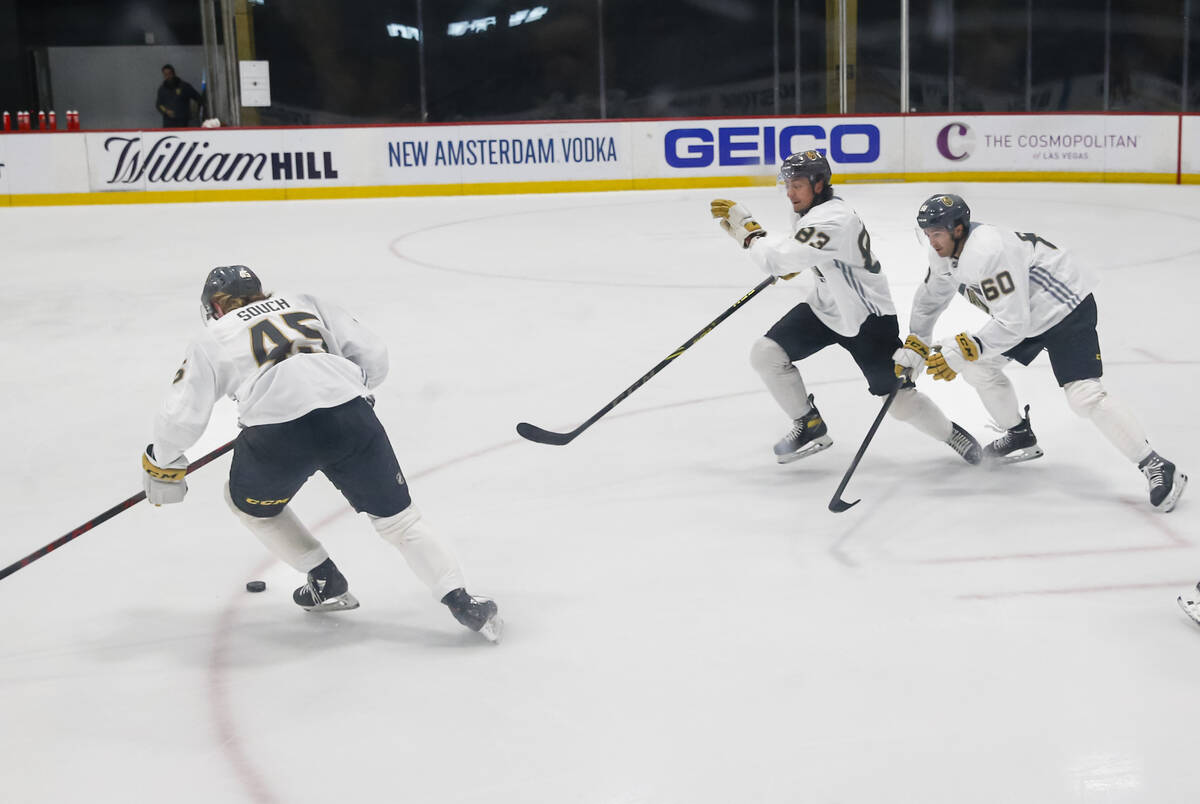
[
  {"x": 1190, "y": 607},
  {"x": 537, "y": 435},
  {"x": 493, "y": 629},
  {"x": 811, "y": 448},
  {"x": 1020, "y": 456},
  {"x": 1178, "y": 484},
  {"x": 343, "y": 602}
]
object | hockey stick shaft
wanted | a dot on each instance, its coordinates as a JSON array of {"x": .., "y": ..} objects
[
  {"x": 537, "y": 434},
  {"x": 104, "y": 517},
  {"x": 837, "y": 504}
]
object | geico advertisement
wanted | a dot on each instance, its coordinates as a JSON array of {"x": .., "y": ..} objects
[
  {"x": 206, "y": 159},
  {"x": 1042, "y": 143},
  {"x": 755, "y": 147},
  {"x": 495, "y": 153}
]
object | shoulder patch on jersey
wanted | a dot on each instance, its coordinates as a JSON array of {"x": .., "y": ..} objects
[{"x": 179, "y": 374}]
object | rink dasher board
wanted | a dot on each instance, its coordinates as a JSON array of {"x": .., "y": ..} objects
[{"x": 186, "y": 165}]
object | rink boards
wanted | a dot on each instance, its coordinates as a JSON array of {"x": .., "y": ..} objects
[{"x": 413, "y": 160}]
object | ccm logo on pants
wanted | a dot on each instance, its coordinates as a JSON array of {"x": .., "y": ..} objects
[{"x": 267, "y": 502}]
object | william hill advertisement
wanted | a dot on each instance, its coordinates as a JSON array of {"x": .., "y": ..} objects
[{"x": 165, "y": 161}]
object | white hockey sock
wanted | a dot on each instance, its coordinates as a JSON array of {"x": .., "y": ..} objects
[
  {"x": 914, "y": 407},
  {"x": 1089, "y": 399},
  {"x": 284, "y": 535},
  {"x": 780, "y": 376},
  {"x": 427, "y": 555},
  {"x": 995, "y": 390}
]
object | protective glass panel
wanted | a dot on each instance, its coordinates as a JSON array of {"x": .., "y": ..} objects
[
  {"x": 335, "y": 62},
  {"x": 1146, "y": 62}
]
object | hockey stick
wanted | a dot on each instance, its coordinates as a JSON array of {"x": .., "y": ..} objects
[
  {"x": 837, "y": 504},
  {"x": 107, "y": 515},
  {"x": 540, "y": 436}
]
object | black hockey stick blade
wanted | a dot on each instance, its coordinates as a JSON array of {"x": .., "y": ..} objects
[
  {"x": 838, "y": 505},
  {"x": 540, "y": 436},
  {"x": 536, "y": 434}
]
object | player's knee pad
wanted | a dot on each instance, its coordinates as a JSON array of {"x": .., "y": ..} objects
[
  {"x": 399, "y": 528},
  {"x": 984, "y": 374},
  {"x": 429, "y": 557},
  {"x": 1084, "y": 396},
  {"x": 905, "y": 406},
  {"x": 768, "y": 357},
  {"x": 283, "y": 534},
  {"x": 243, "y": 512}
]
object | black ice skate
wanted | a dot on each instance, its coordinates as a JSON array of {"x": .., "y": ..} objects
[
  {"x": 477, "y": 613},
  {"x": 1190, "y": 603},
  {"x": 808, "y": 436},
  {"x": 1016, "y": 445},
  {"x": 326, "y": 590},
  {"x": 1166, "y": 482},
  {"x": 965, "y": 445}
]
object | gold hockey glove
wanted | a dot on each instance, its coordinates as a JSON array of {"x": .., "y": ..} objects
[
  {"x": 946, "y": 365},
  {"x": 164, "y": 484},
  {"x": 737, "y": 221},
  {"x": 911, "y": 356}
]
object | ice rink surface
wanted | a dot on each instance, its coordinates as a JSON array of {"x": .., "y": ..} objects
[{"x": 687, "y": 623}]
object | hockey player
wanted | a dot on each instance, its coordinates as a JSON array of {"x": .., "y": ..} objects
[
  {"x": 1038, "y": 298},
  {"x": 850, "y": 305},
  {"x": 300, "y": 370}
]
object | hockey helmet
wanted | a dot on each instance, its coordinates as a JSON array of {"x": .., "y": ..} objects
[
  {"x": 237, "y": 281},
  {"x": 944, "y": 212},
  {"x": 812, "y": 164}
]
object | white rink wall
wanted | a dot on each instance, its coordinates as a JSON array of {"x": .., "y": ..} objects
[{"x": 359, "y": 162}]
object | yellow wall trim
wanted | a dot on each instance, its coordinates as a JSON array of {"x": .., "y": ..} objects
[{"x": 503, "y": 188}]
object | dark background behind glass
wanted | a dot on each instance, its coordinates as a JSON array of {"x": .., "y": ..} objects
[{"x": 333, "y": 62}]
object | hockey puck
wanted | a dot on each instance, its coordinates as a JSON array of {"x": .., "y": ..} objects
[{"x": 256, "y": 586}]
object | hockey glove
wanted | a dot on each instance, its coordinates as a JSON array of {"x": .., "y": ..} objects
[
  {"x": 910, "y": 357},
  {"x": 737, "y": 221},
  {"x": 946, "y": 365},
  {"x": 164, "y": 484}
]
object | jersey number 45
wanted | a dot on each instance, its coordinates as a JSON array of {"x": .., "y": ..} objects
[{"x": 270, "y": 345}]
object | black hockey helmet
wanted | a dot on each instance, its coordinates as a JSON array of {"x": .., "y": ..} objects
[
  {"x": 944, "y": 212},
  {"x": 237, "y": 281},
  {"x": 812, "y": 164}
]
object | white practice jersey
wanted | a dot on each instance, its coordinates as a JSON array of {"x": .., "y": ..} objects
[
  {"x": 278, "y": 359},
  {"x": 1025, "y": 283},
  {"x": 832, "y": 241}
]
